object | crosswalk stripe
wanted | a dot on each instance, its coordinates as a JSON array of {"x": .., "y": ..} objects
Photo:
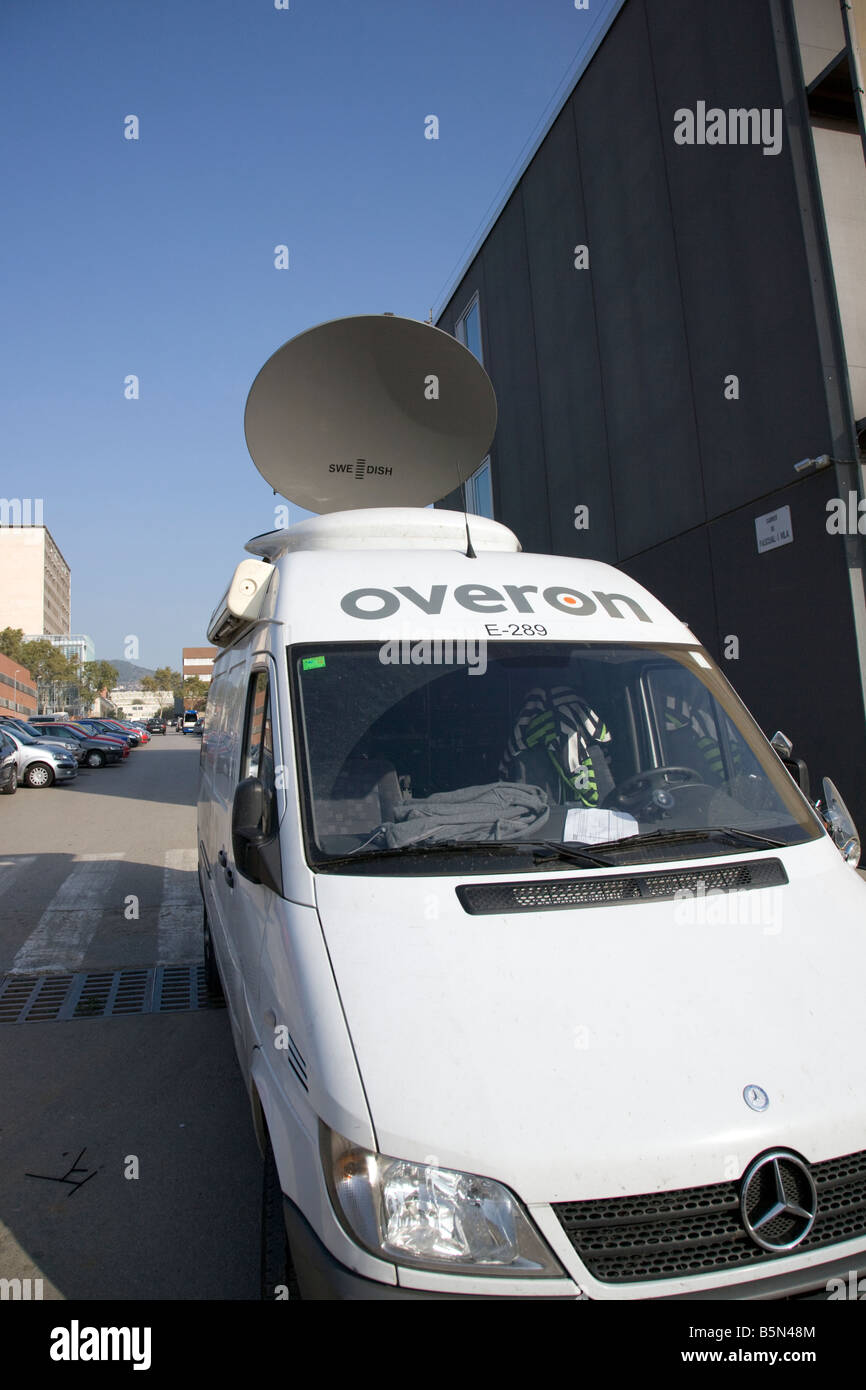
[
  {"x": 179, "y": 923},
  {"x": 67, "y": 926},
  {"x": 9, "y": 869}
]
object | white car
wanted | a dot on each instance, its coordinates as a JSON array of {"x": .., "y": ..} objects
[{"x": 544, "y": 975}]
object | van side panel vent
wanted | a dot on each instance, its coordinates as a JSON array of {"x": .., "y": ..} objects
[
  {"x": 296, "y": 1062},
  {"x": 539, "y": 895}
]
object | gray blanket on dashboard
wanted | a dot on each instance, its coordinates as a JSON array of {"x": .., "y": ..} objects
[{"x": 498, "y": 811}]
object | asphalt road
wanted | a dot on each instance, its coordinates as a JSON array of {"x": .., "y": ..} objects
[{"x": 128, "y": 1165}]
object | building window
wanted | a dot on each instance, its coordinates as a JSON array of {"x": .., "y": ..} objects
[
  {"x": 467, "y": 329},
  {"x": 479, "y": 491}
]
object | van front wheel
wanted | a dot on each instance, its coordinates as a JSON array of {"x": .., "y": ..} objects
[{"x": 278, "y": 1272}]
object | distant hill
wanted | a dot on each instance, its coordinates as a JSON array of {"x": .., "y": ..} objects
[{"x": 129, "y": 675}]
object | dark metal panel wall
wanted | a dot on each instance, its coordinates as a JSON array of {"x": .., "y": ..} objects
[
  {"x": 642, "y": 341},
  {"x": 518, "y": 456},
  {"x": 680, "y": 573},
  {"x": 790, "y": 608},
  {"x": 742, "y": 264},
  {"x": 569, "y": 371}
]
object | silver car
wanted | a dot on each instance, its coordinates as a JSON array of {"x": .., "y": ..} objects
[{"x": 42, "y": 764}]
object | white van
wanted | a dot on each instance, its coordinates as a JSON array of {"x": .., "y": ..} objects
[{"x": 544, "y": 976}]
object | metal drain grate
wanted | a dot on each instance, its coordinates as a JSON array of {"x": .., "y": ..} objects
[{"x": 162, "y": 989}]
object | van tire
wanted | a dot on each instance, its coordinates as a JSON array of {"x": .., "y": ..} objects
[
  {"x": 212, "y": 980},
  {"x": 278, "y": 1271}
]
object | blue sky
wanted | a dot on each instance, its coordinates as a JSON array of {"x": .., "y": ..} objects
[{"x": 155, "y": 257}]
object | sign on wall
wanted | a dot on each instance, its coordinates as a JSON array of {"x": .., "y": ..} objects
[{"x": 774, "y": 529}]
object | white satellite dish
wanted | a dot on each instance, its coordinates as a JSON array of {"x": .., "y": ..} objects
[{"x": 369, "y": 411}]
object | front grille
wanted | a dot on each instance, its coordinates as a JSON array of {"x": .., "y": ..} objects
[
  {"x": 699, "y": 1230},
  {"x": 593, "y": 891}
]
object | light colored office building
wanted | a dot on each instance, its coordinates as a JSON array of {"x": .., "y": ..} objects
[
  {"x": 77, "y": 645},
  {"x": 35, "y": 581},
  {"x": 140, "y": 704}
]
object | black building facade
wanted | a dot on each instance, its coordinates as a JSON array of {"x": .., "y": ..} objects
[{"x": 659, "y": 320}]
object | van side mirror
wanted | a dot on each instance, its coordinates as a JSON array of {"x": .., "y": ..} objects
[
  {"x": 784, "y": 749},
  {"x": 256, "y": 855},
  {"x": 839, "y": 822}
]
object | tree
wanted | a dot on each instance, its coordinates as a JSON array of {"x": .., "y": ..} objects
[
  {"x": 101, "y": 675},
  {"x": 93, "y": 677},
  {"x": 194, "y": 692},
  {"x": 45, "y": 662},
  {"x": 164, "y": 678},
  {"x": 55, "y": 674},
  {"x": 11, "y": 642}
]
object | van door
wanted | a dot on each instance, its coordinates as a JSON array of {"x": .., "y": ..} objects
[
  {"x": 223, "y": 751},
  {"x": 249, "y": 902}
]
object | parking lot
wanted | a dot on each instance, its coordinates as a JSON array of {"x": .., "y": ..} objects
[{"x": 128, "y": 1166}]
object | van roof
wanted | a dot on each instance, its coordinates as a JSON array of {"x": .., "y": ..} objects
[{"x": 387, "y": 528}]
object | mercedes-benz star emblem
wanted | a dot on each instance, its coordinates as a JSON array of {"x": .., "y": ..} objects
[
  {"x": 778, "y": 1201},
  {"x": 756, "y": 1097}
]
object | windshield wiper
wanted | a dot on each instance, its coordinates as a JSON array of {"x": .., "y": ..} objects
[
  {"x": 363, "y": 856},
  {"x": 720, "y": 833},
  {"x": 573, "y": 853}
]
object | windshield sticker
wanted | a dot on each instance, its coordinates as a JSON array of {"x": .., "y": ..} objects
[{"x": 312, "y": 663}]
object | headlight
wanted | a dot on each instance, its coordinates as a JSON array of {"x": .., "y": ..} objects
[{"x": 430, "y": 1217}]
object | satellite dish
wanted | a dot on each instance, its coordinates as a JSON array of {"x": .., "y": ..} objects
[{"x": 369, "y": 411}]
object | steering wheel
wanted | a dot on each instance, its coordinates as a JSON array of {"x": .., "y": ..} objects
[{"x": 648, "y": 788}]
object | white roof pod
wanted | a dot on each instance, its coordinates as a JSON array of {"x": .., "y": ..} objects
[
  {"x": 386, "y": 528},
  {"x": 369, "y": 411},
  {"x": 241, "y": 603}
]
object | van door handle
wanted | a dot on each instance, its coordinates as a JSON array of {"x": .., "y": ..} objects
[{"x": 223, "y": 858}]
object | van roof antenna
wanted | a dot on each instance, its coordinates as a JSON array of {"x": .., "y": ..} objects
[{"x": 460, "y": 483}]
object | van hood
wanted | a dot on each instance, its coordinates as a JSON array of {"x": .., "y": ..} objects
[{"x": 593, "y": 1052}]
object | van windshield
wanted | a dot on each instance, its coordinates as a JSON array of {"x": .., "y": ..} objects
[{"x": 474, "y": 750}]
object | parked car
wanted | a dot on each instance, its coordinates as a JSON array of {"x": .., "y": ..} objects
[
  {"x": 8, "y": 765},
  {"x": 103, "y": 727},
  {"x": 189, "y": 721},
  {"x": 43, "y": 733},
  {"x": 157, "y": 725},
  {"x": 40, "y": 765},
  {"x": 91, "y": 752},
  {"x": 124, "y": 726},
  {"x": 115, "y": 737},
  {"x": 134, "y": 735}
]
